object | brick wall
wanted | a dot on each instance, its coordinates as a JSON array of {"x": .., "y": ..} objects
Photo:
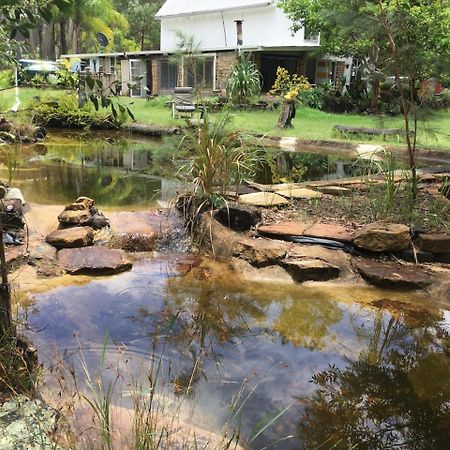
[
  {"x": 155, "y": 77},
  {"x": 224, "y": 62}
]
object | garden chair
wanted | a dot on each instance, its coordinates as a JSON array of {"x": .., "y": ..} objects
[{"x": 182, "y": 102}]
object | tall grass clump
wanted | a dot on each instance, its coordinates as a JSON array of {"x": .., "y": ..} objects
[
  {"x": 221, "y": 159},
  {"x": 244, "y": 81}
]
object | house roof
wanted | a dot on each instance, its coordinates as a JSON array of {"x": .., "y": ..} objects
[{"x": 187, "y": 7}]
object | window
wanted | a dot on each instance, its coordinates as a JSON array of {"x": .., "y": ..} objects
[
  {"x": 168, "y": 74},
  {"x": 204, "y": 73}
]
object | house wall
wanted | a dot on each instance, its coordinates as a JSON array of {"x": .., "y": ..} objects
[
  {"x": 125, "y": 75},
  {"x": 224, "y": 63},
  {"x": 266, "y": 26}
]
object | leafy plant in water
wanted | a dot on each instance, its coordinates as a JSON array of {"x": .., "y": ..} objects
[{"x": 244, "y": 81}]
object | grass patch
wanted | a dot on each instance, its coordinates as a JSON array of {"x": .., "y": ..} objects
[{"x": 309, "y": 124}]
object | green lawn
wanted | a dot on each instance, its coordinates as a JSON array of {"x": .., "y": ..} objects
[{"x": 308, "y": 124}]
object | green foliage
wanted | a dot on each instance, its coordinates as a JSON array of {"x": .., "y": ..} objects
[
  {"x": 145, "y": 31},
  {"x": 220, "y": 158},
  {"x": 244, "y": 81},
  {"x": 66, "y": 112}
]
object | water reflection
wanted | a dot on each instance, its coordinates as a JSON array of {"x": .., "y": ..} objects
[
  {"x": 378, "y": 382},
  {"x": 112, "y": 170},
  {"x": 394, "y": 394}
]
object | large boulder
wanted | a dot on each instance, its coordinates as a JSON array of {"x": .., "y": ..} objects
[
  {"x": 307, "y": 268},
  {"x": 260, "y": 251},
  {"x": 26, "y": 424},
  {"x": 238, "y": 217},
  {"x": 393, "y": 275},
  {"x": 212, "y": 238},
  {"x": 71, "y": 237},
  {"x": 93, "y": 260},
  {"x": 383, "y": 237}
]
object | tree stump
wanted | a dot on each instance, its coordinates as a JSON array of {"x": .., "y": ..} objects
[{"x": 287, "y": 113}]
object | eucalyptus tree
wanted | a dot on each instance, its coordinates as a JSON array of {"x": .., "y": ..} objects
[{"x": 409, "y": 39}]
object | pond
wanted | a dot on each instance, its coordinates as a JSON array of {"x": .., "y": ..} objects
[
  {"x": 132, "y": 172},
  {"x": 304, "y": 367},
  {"x": 105, "y": 166}
]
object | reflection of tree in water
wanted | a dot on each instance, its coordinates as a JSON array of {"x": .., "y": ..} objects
[
  {"x": 305, "y": 322},
  {"x": 395, "y": 395},
  {"x": 205, "y": 316}
]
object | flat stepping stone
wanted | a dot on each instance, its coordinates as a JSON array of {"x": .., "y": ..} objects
[
  {"x": 334, "y": 190},
  {"x": 310, "y": 269},
  {"x": 264, "y": 199},
  {"x": 317, "y": 230},
  {"x": 300, "y": 193},
  {"x": 383, "y": 237},
  {"x": 392, "y": 275},
  {"x": 71, "y": 237},
  {"x": 93, "y": 260}
]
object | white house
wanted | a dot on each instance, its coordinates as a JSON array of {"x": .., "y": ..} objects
[{"x": 265, "y": 33}]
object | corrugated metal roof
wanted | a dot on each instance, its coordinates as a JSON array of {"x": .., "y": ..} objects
[{"x": 185, "y": 7}]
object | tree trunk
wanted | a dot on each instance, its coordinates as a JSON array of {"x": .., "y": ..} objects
[
  {"x": 142, "y": 39},
  {"x": 5, "y": 294},
  {"x": 375, "y": 95},
  {"x": 41, "y": 41},
  {"x": 287, "y": 113},
  {"x": 62, "y": 37},
  {"x": 52, "y": 48}
]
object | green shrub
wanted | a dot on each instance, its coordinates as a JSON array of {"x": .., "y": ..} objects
[
  {"x": 244, "y": 81},
  {"x": 66, "y": 112}
]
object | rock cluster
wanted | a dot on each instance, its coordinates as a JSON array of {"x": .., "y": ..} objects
[
  {"x": 82, "y": 212},
  {"x": 75, "y": 241},
  {"x": 267, "y": 257}
]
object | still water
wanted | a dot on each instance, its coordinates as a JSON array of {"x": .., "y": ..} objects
[
  {"x": 316, "y": 367},
  {"x": 128, "y": 172},
  {"x": 107, "y": 167}
]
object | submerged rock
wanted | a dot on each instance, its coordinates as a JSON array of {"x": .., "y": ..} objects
[
  {"x": 238, "y": 217},
  {"x": 26, "y": 424},
  {"x": 393, "y": 275},
  {"x": 310, "y": 269},
  {"x": 93, "y": 260},
  {"x": 43, "y": 252},
  {"x": 71, "y": 237},
  {"x": 383, "y": 237}
]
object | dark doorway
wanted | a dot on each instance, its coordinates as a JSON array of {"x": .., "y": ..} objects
[
  {"x": 310, "y": 71},
  {"x": 270, "y": 63}
]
